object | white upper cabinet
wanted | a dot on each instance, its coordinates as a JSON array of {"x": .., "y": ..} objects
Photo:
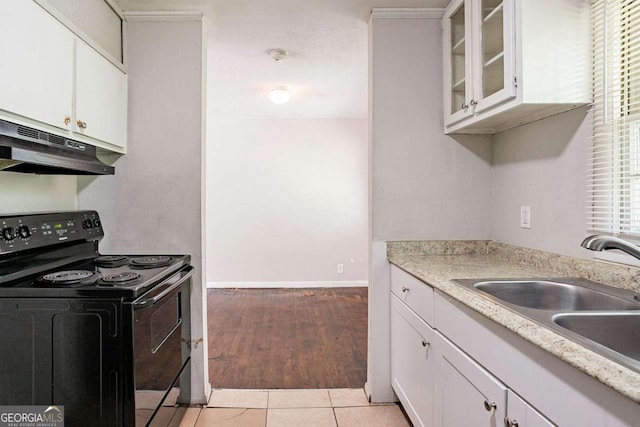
[
  {"x": 510, "y": 62},
  {"x": 480, "y": 67},
  {"x": 101, "y": 97},
  {"x": 494, "y": 65},
  {"x": 96, "y": 19},
  {"x": 458, "y": 87},
  {"x": 53, "y": 81},
  {"x": 36, "y": 70}
]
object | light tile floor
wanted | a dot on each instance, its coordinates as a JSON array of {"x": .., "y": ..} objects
[{"x": 285, "y": 408}]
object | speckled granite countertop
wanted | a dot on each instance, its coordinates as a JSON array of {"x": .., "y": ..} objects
[{"x": 436, "y": 263}]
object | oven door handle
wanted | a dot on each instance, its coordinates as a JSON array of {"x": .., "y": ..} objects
[{"x": 151, "y": 301}]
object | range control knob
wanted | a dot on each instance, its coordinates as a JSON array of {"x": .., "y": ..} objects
[
  {"x": 7, "y": 234},
  {"x": 96, "y": 222},
  {"x": 24, "y": 231}
]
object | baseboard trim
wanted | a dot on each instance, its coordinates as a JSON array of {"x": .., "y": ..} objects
[{"x": 265, "y": 285}]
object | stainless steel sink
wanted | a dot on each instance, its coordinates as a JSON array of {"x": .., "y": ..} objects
[
  {"x": 618, "y": 331},
  {"x": 602, "y": 318},
  {"x": 553, "y": 295}
]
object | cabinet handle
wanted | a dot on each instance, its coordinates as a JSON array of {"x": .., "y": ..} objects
[
  {"x": 81, "y": 124},
  {"x": 67, "y": 120},
  {"x": 405, "y": 289},
  {"x": 425, "y": 343},
  {"x": 464, "y": 106},
  {"x": 489, "y": 406},
  {"x": 511, "y": 423},
  {"x": 473, "y": 103}
]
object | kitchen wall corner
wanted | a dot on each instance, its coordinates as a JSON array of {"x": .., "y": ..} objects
[
  {"x": 425, "y": 185},
  {"x": 154, "y": 202},
  {"x": 543, "y": 165}
]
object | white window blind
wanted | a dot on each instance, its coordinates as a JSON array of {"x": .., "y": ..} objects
[{"x": 614, "y": 181}]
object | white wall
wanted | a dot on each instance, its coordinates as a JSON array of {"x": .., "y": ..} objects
[
  {"x": 424, "y": 184},
  {"x": 543, "y": 165},
  {"x": 287, "y": 201},
  {"x": 154, "y": 202},
  {"x": 23, "y": 193}
]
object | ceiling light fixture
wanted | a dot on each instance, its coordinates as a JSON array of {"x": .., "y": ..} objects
[{"x": 279, "y": 95}]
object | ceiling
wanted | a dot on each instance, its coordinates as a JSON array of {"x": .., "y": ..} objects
[{"x": 326, "y": 71}]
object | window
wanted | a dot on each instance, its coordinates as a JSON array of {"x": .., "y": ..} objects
[{"x": 614, "y": 182}]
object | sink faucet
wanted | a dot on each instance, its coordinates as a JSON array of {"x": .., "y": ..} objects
[{"x": 601, "y": 242}]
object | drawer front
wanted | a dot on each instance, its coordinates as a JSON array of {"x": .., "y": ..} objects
[{"x": 416, "y": 294}]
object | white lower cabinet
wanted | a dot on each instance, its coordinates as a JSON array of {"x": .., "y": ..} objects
[
  {"x": 412, "y": 363},
  {"x": 452, "y": 366},
  {"x": 466, "y": 394},
  {"x": 521, "y": 414},
  {"x": 437, "y": 383}
]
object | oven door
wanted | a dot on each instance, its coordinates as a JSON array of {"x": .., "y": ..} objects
[{"x": 157, "y": 343}]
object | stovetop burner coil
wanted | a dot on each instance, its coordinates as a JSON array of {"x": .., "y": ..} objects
[
  {"x": 150, "y": 261},
  {"x": 111, "y": 261},
  {"x": 125, "y": 278},
  {"x": 69, "y": 278}
]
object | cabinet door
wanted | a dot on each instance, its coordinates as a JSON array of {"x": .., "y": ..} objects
[
  {"x": 521, "y": 414},
  {"x": 97, "y": 19},
  {"x": 466, "y": 394},
  {"x": 457, "y": 61},
  {"x": 494, "y": 62},
  {"x": 101, "y": 97},
  {"x": 36, "y": 69},
  {"x": 412, "y": 363}
]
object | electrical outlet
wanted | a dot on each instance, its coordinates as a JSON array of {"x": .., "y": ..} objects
[
  {"x": 340, "y": 269},
  {"x": 525, "y": 216}
]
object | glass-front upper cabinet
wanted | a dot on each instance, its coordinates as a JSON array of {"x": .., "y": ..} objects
[
  {"x": 478, "y": 56},
  {"x": 458, "y": 51},
  {"x": 510, "y": 62},
  {"x": 495, "y": 62}
]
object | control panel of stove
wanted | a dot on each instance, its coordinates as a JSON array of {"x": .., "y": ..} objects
[{"x": 30, "y": 231}]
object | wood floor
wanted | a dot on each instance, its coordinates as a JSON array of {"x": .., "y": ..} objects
[{"x": 287, "y": 338}]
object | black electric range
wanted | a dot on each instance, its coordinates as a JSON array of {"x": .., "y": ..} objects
[
  {"x": 126, "y": 276},
  {"x": 89, "y": 332}
]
